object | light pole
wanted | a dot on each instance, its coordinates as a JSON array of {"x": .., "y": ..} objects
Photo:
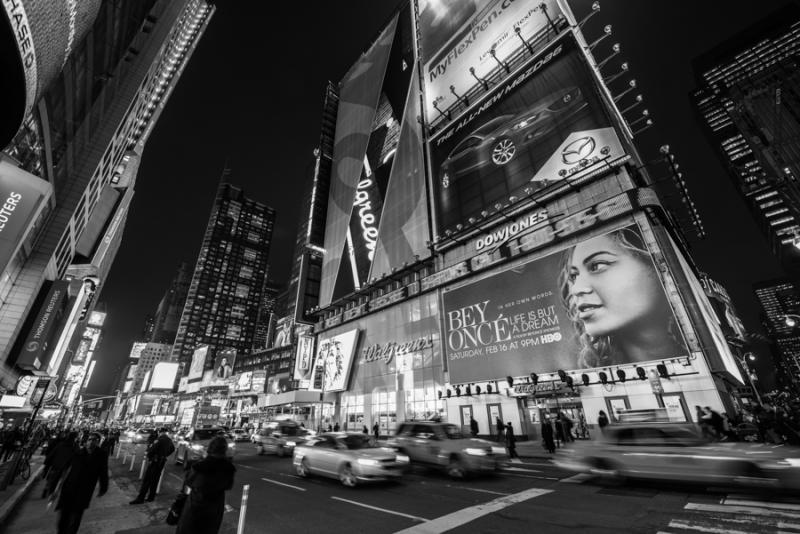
[{"x": 749, "y": 356}]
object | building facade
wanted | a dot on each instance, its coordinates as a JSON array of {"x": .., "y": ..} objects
[
  {"x": 170, "y": 308},
  {"x": 748, "y": 101},
  {"x": 780, "y": 305},
  {"x": 226, "y": 291}
]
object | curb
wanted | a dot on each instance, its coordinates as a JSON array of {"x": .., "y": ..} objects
[{"x": 10, "y": 504}]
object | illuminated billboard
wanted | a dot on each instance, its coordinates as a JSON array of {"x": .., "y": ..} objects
[
  {"x": 198, "y": 363},
  {"x": 97, "y": 318},
  {"x": 457, "y": 36},
  {"x": 540, "y": 127},
  {"x": 720, "y": 300},
  {"x": 223, "y": 363},
  {"x": 35, "y": 351},
  {"x": 136, "y": 351},
  {"x": 596, "y": 304},
  {"x": 164, "y": 374},
  {"x": 82, "y": 352},
  {"x": 243, "y": 381},
  {"x": 304, "y": 358},
  {"x": 334, "y": 359}
]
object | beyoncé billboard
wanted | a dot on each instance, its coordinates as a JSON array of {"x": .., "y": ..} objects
[
  {"x": 596, "y": 304},
  {"x": 538, "y": 128}
]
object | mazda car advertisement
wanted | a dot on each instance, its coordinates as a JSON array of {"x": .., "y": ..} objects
[{"x": 539, "y": 127}]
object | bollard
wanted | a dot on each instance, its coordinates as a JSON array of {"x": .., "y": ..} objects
[
  {"x": 125, "y": 459},
  {"x": 119, "y": 450},
  {"x": 160, "y": 478},
  {"x": 133, "y": 460},
  {"x": 144, "y": 465},
  {"x": 243, "y": 509}
]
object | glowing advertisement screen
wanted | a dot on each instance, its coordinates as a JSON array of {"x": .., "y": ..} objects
[
  {"x": 198, "y": 363},
  {"x": 334, "y": 359},
  {"x": 164, "y": 374},
  {"x": 540, "y": 127},
  {"x": 456, "y": 35},
  {"x": 596, "y": 304}
]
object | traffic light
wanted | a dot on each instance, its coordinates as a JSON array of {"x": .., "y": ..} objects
[
  {"x": 640, "y": 371},
  {"x": 585, "y": 379},
  {"x": 663, "y": 372},
  {"x": 621, "y": 375},
  {"x": 534, "y": 378}
]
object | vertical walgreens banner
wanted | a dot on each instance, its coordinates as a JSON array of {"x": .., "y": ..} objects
[
  {"x": 456, "y": 35},
  {"x": 596, "y": 304}
]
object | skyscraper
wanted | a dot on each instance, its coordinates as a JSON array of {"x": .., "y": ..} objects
[
  {"x": 265, "y": 325},
  {"x": 168, "y": 314},
  {"x": 748, "y": 99},
  {"x": 85, "y": 138},
  {"x": 225, "y": 293},
  {"x": 780, "y": 303}
]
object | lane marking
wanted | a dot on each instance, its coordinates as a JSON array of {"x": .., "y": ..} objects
[
  {"x": 793, "y": 526},
  {"x": 515, "y": 461},
  {"x": 677, "y": 523},
  {"x": 580, "y": 478},
  {"x": 763, "y": 504},
  {"x": 522, "y": 470},
  {"x": 180, "y": 479},
  {"x": 414, "y": 517},
  {"x": 531, "y": 476},
  {"x": 298, "y": 488},
  {"x": 736, "y": 509},
  {"x": 466, "y": 515},
  {"x": 477, "y": 489}
]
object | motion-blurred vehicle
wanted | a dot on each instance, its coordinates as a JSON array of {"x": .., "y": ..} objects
[
  {"x": 142, "y": 435},
  {"x": 195, "y": 442},
  {"x": 442, "y": 445},
  {"x": 280, "y": 437},
  {"x": 676, "y": 452},
  {"x": 350, "y": 457},
  {"x": 498, "y": 141},
  {"x": 240, "y": 434}
]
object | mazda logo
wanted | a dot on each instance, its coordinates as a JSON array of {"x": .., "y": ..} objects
[{"x": 577, "y": 150}]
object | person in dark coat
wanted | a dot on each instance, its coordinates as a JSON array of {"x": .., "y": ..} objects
[
  {"x": 57, "y": 461},
  {"x": 206, "y": 483},
  {"x": 547, "y": 436},
  {"x": 89, "y": 465},
  {"x": 473, "y": 426},
  {"x": 511, "y": 441},
  {"x": 500, "y": 428},
  {"x": 602, "y": 421},
  {"x": 376, "y": 429},
  {"x": 157, "y": 455}
]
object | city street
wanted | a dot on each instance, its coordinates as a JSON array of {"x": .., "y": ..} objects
[{"x": 532, "y": 494}]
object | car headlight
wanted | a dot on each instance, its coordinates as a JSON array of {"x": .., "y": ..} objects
[
  {"x": 290, "y": 443},
  {"x": 197, "y": 447},
  {"x": 790, "y": 462},
  {"x": 476, "y": 452},
  {"x": 232, "y": 445},
  {"x": 402, "y": 458},
  {"x": 498, "y": 450},
  {"x": 368, "y": 461}
]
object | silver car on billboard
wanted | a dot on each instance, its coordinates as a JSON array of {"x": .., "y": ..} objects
[
  {"x": 677, "y": 452},
  {"x": 350, "y": 457}
]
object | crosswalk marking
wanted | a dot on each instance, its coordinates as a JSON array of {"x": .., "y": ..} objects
[
  {"x": 686, "y": 525},
  {"x": 779, "y": 505},
  {"x": 580, "y": 478},
  {"x": 739, "y": 509}
]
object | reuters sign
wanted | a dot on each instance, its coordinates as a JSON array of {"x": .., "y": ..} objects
[{"x": 44, "y": 34}]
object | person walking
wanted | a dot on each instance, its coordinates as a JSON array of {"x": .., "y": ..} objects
[
  {"x": 206, "y": 484},
  {"x": 57, "y": 461},
  {"x": 365, "y": 430},
  {"x": 473, "y": 426},
  {"x": 704, "y": 422},
  {"x": 716, "y": 422},
  {"x": 376, "y": 429},
  {"x": 602, "y": 421},
  {"x": 511, "y": 441},
  {"x": 11, "y": 443},
  {"x": 547, "y": 436},
  {"x": 157, "y": 455},
  {"x": 500, "y": 427},
  {"x": 336, "y": 426},
  {"x": 88, "y": 466}
]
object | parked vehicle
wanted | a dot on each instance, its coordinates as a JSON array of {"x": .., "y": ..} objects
[
  {"x": 195, "y": 442},
  {"x": 442, "y": 445},
  {"x": 676, "y": 452},
  {"x": 350, "y": 457},
  {"x": 240, "y": 434},
  {"x": 280, "y": 437}
]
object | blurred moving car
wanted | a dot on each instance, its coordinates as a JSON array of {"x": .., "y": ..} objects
[
  {"x": 195, "y": 442},
  {"x": 351, "y": 457},
  {"x": 676, "y": 452},
  {"x": 240, "y": 434},
  {"x": 442, "y": 445},
  {"x": 280, "y": 437},
  {"x": 499, "y": 140},
  {"x": 142, "y": 435}
]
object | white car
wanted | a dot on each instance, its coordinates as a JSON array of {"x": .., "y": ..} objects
[{"x": 194, "y": 444}]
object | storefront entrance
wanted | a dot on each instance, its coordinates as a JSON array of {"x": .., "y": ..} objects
[{"x": 548, "y": 409}]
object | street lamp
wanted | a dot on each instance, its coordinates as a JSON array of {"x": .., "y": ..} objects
[
  {"x": 749, "y": 356},
  {"x": 791, "y": 320}
]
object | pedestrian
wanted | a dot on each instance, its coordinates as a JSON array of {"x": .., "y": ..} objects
[
  {"x": 602, "y": 421},
  {"x": 336, "y": 426},
  {"x": 500, "y": 427},
  {"x": 473, "y": 426},
  {"x": 376, "y": 429},
  {"x": 88, "y": 466},
  {"x": 365, "y": 430},
  {"x": 704, "y": 422},
  {"x": 57, "y": 461},
  {"x": 329, "y": 429},
  {"x": 511, "y": 441},
  {"x": 548, "y": 442},
  {"x": 206, "y": 483},
  {"x": 716, "y": 422},
  {"x": 152, "y": 437},
  {"x": 12, "y": 442},
  {"x": 157, "y": 455}
]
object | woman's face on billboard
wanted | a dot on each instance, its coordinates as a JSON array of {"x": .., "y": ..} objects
[{"x": 612, "y": 289}]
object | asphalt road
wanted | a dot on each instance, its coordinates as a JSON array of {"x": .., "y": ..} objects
[{"x": 531, "y": 496}]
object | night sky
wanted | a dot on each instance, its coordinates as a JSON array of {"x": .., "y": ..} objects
[{"x": 251, "y": 95}]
